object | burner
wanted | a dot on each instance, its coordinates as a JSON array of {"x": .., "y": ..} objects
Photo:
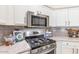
[{"x": 41, "y": 45}]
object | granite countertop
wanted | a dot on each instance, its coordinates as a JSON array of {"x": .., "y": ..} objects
[
  {"x": 16, "y": 48},
  {"x": 62, "y": 35},
  {"x": 65, "y": 38}
]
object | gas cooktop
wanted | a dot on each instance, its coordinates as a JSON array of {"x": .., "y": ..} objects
[{"x": 38, "y": 42}]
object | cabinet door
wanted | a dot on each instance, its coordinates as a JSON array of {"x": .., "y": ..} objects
[
  {"x": 10, "y": 15},
  {"x": 58, "y": 47},
  {"x": 74, "y": 16},
  {"x": 66, "y": 50},
  {"x": 52, "y": 20},
  {"x": 3, "y": 14},
  {"x": 61, "y": 17},
  {"x": 78, "y": 50},
  {"x": 20, "y": 14}
]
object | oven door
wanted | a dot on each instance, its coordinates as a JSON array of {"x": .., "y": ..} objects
[{"x": 52, "y": 52}]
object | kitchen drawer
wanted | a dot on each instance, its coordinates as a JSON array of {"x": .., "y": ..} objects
[
  {"x": 68, "y": 44},
  {"x": 76, "y": 44}
]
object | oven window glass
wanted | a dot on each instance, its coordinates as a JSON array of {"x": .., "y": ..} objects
[{"x": 38, "y": 21}]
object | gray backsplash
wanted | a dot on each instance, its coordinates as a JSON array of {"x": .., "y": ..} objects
[
  {"x": 5, "y": 30},
  {"x": 60, "y": 32}
]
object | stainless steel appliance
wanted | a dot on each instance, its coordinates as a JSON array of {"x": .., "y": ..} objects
[
  {"x": 39, "y": 44},
  {"x": 37, "y": 20}
]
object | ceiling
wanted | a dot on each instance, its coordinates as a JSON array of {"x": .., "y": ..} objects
[{"x": 60, "y": 6}]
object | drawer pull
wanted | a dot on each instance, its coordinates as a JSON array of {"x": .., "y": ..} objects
[
  {"x": 73, "y": 50},
  {"x": 67, "y": 44},
  {"x": 77, "y": 51}
]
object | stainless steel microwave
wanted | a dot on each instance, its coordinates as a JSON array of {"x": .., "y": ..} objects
[{"x": 37, "y": 20}]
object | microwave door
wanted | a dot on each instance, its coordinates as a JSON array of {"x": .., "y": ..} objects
[
  {"x": 43, "y": 22},
  {"x": 39, "y": 21},
  {"x": 35, "y": 21}
]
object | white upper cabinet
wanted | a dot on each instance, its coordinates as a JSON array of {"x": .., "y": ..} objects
[
  {"x": 74, "y": 16},
  {"x": 16, "y": 14},
  {"x": 6, "y": 15},
  {"x": 20, "y": 15},
  {"x": 61, "y": 17},
  {"x": 67, "y": 17},
  {"x": 3, "y": 14},
  {"x": 10, "y": 15},
  {"x": 52, "y": 19}
]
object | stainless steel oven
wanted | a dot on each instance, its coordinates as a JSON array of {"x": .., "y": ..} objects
[
  {"x": 37, "y": 20},
  {"x": 38, "y": 43}
]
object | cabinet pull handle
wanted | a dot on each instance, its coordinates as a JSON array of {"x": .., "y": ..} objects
[
  {"x": 73, "y": 50},
  {"x": 77, "y": 51},
  {"x": 67, "y": 44}
]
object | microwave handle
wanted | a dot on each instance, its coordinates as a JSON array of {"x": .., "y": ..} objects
[{"x": 47, "y": 21}]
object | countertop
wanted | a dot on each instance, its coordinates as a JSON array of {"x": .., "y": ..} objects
[
  {"x": 23, "y": 46},
  {"x": 65, "y": 38},
  {"x": 16, "y": 48}
]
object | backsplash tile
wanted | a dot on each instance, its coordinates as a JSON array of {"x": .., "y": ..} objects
[
  {"x": 60, "y": 32},
  {"x": 5, "y": 30}
]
